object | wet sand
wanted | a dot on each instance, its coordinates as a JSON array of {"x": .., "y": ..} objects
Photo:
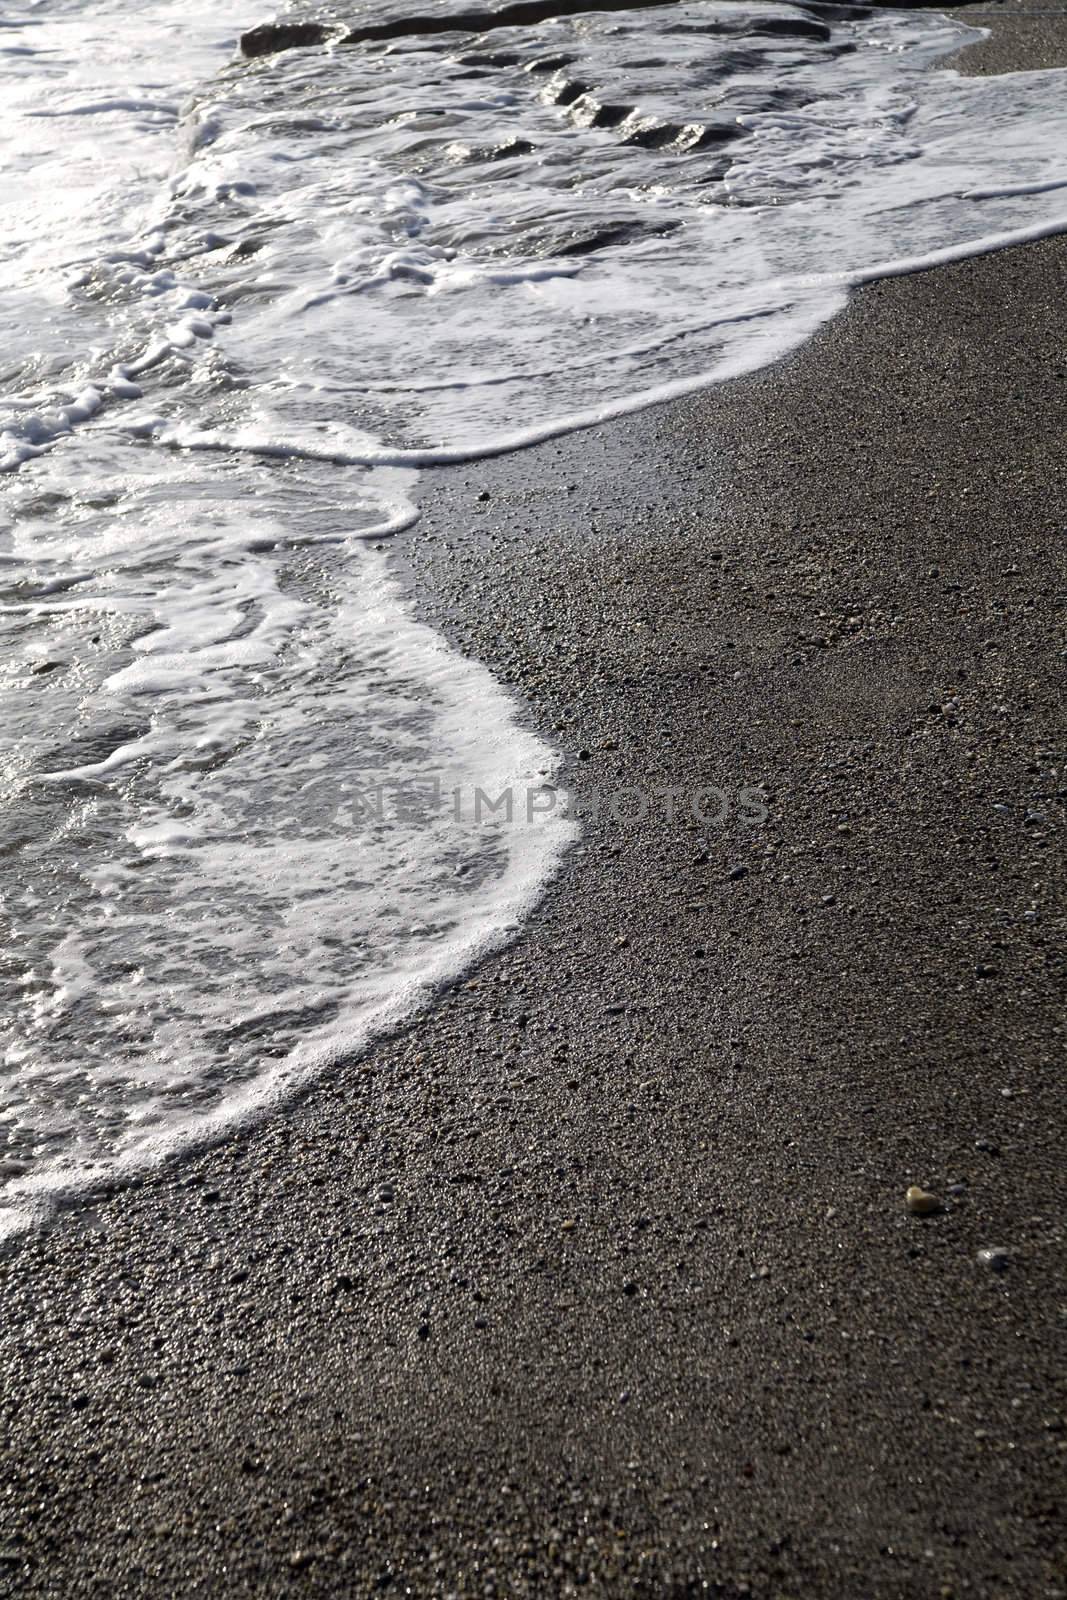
[{"x": 599, "y": 1278}]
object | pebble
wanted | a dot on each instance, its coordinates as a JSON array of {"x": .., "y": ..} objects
[
  {"x": 921, "y": 1203},
  {"x": 994, "y": 1257},
  {"x": 737, "y": 874}
]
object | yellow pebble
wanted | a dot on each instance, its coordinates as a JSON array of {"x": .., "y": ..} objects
[{"x": 920, "y": 1202}]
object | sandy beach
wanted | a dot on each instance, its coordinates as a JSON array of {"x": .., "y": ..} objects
[{"x": 598, "y": 1278}]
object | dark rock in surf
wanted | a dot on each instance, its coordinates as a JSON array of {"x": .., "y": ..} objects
[
  {"x": 270, "y": 37},
  {"x": 274, "y": 36}
]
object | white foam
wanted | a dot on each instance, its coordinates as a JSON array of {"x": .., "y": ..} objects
[
  {"x": 222, "y": 915},
  {"x": 407, "y": 303}
]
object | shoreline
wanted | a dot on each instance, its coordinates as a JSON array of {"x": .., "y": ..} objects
[{"x": 598, "y": 1278}]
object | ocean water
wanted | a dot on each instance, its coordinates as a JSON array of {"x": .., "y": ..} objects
[{"x": 241, "y": 304}]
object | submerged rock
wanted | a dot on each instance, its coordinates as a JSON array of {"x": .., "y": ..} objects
[{"x": 270, "y": 37}]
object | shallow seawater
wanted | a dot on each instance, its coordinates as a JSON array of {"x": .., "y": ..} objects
[{"x": 242, "y": 303}]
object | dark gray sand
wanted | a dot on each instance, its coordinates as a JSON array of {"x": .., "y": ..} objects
[{"x": 599, "y": 1279}]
